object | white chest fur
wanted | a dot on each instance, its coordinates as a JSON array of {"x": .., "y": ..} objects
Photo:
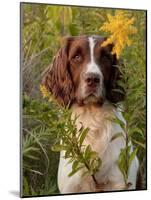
[
  {"x": 98, "y": 120},
  {"x": 101, "y": 130}
]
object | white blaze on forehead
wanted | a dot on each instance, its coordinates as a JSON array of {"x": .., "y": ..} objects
[{"x": 92, "y": 66}]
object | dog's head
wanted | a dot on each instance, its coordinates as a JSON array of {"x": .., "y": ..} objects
[{"x": 84, "y": 72}]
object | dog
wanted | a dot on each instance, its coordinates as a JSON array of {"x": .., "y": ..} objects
[{"x": 84, "y": 76}]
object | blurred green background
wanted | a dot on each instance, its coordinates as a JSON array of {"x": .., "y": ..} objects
[{"x": 42, "y": 29}]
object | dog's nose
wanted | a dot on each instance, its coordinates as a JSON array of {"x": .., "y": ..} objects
[{"x": 92, "y": 79}]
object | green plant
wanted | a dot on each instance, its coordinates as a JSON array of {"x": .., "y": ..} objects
[
  {"x": 39, "y": 174},
  {"x": 133, "y": 130},
  {"x": 131, "y": 82},
  {"x": 81, "y": 156}
]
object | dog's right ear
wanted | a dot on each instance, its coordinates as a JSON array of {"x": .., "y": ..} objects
[
  {"x": 58, "y": 80},
  {"x": 115, "y": 92}
]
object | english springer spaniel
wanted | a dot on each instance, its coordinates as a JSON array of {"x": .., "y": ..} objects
[{"x": 84, "y": 75}]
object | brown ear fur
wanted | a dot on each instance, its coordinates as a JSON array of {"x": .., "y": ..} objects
[
  {"x": 113, "y": 95},
  {"x": 57, "y": 79}
]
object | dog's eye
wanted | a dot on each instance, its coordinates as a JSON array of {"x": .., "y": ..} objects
[
  {"x": 77, "y": 58},
  {"x": 105, "y": 54}
]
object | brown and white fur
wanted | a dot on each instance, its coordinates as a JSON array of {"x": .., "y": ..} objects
[{"x": 84, "y": 75}]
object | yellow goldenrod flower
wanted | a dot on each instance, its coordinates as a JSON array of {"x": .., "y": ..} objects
[
  {"x": 44, "y": 91},
  {"x": 120, "y": 27}
]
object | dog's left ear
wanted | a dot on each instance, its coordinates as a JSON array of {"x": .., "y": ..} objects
[
  {"x": 115, "y": 92},
  {"x": 57, "y": 78}
]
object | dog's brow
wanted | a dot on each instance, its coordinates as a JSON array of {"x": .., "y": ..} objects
[{"x": 77, "y": 50}]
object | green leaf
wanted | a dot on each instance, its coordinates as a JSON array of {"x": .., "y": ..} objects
[
  {"x": 136, "y": 130},
  {"x": 75, "y": 171},
  {"x": 71, "y": 160},
  {"x": 58, "y": 147},
  {"x": 83, "y": 135},
  {"x": 25, "y": 186},
  {"x": 132, "y": 156},
  {"x": 75, "y": 165},
  {"x": 121, "y": 162},
  {"x": 31, "y": 157},
  {"x": 73, "y": 29},
  {"x": 139, "y": 143},
  {"x": 35, "y": 171},
  {"x": 93, "y": 155},
  {"x": 95, "y": 165},
  {"x": 87, "y": 152},
  {"x": 26, "y": 150},
  {"x": 120, "y": 122}
]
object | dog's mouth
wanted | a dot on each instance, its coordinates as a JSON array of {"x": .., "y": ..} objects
[
  {"x": 89, "y": 95},
  {"x": 91, "y": 99},
  {"x": 91, "y": 91}
]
